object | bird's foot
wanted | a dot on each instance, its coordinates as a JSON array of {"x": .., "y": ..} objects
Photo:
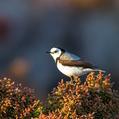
[
  {"x": 75, "y": 79},
  {"x": 72, "y": 78}
]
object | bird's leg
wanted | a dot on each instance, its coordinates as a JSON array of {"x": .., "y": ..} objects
[
  {"x": 72, "y": 78},
  {"x": 76, "y": 79},
  {"x": 79, "y": 79}
]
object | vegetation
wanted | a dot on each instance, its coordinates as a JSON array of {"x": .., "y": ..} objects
[
  {"x": 17, "y": 102},
  {"x": 92, "y": 99}
]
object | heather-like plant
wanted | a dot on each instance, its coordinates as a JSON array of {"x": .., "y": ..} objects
[
  {"x": 93, "y": 99},
  {"x": 17, "y": 102}
]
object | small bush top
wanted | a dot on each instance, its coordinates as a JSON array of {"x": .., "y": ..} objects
[{"x": 93, "y": 99}]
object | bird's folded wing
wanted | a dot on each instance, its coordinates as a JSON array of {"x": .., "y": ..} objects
[{"x": 77, "y": 63}]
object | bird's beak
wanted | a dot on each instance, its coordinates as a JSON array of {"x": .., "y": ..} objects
[{"x": 48, "y": 52}]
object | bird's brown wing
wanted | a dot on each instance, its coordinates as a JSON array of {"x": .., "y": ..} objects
[{"x": 77, "y": 63}]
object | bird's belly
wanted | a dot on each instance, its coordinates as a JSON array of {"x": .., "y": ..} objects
[{"x": 70, "y": 70}]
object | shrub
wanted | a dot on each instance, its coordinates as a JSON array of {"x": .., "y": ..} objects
[
  {"x": 93, "y": 99},
  {"x": 17, "y": 102}
]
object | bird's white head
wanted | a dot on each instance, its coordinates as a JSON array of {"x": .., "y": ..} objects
[{"x": 56, "y": 52}]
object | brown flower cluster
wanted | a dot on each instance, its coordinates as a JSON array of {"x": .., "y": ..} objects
[
  {"x": 93, "y": 99},
  {"x": 17, "y": 102}
]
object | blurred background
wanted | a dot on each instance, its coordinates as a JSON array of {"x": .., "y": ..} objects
[{"x": 28, "y": 28}]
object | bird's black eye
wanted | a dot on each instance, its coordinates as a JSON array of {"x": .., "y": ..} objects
[{"x": 55, "y": 51}]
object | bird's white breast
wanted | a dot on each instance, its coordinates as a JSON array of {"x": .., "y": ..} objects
[{"x": 70, "y": 70}]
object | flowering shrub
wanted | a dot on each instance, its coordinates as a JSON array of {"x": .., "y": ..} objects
[
  {"x": 17, "y": 102},
  {"x": 93, "y": 99}
]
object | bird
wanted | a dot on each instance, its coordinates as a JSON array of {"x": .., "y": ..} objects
[{"x": 70, "y": 64}]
